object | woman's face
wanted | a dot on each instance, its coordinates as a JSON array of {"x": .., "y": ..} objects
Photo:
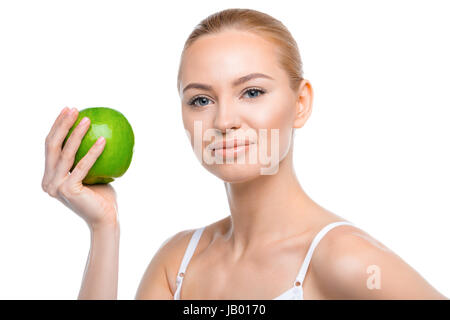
[{"x": 219, "y": 103}]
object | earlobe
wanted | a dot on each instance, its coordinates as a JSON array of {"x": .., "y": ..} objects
[
  {"x": 299, "y": 121},
  {"x": 303, "y": 104},
  {"x": 299, "y": 114}
]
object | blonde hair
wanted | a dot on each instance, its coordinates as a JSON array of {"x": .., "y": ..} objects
[{"x": 258, "y": 23}]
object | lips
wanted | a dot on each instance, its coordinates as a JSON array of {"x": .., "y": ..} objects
[{"x": 228, "y": 144}]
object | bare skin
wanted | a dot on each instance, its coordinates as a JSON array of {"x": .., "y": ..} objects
[
  {"x": 96, "y": 204},
  {"x": 268, "y": 272},
  {"x": 256, "y": 252}
]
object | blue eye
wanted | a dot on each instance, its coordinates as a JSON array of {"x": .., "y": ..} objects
[
  {"x": 253, "y": 93},
  {"x": 200, "y": 98}
]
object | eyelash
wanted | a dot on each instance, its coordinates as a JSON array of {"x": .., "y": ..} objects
[{"x": 192, "y": 101}]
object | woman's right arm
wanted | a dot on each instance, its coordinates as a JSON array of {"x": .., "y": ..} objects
[
  {"x": 102, "y": 267},
  {"x": 96, "y": 204}
]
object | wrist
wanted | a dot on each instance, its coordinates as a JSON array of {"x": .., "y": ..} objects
[{"x": 105, "y": 227}]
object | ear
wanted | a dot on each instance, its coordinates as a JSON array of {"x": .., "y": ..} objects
[{"x": 303, "y": 105}]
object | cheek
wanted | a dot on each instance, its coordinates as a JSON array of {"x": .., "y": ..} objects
[
  {"x": 188, "y": 125},
  {"x": 274, "y": 113},
  {"x": 196, "y": 125}
]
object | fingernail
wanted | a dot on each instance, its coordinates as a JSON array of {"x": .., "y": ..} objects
[
  {"x": 63, "y": 110},
  {"x": 72, "y": 111},
  {"x": 100, "y": 141},
  {"x": 84, "y": 121}
]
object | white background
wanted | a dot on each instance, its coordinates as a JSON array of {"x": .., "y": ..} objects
[{"x": 375, "y": 150}]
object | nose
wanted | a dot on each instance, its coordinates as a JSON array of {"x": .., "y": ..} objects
[{"x": 227, "y": 117}]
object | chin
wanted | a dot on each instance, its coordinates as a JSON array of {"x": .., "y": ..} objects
[{"x": 235, "y": 173}]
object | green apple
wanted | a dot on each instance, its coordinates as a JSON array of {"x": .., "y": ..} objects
[{"x": 116, "y": 157}]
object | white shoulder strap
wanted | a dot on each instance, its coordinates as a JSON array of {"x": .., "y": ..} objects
[
  {"x": 317, "y": 238},
  {"x": 190, "y": 249}
]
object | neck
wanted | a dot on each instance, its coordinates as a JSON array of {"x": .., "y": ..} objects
[{"x": 267, "y": 208}]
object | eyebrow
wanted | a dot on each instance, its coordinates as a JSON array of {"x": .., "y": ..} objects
[{"x": 235, "y": 83}]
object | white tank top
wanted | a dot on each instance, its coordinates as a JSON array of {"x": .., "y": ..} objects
[{"x": 293, "y": 293}]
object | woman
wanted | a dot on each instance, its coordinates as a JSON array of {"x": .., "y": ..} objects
[{"x": 243, "y": 95}]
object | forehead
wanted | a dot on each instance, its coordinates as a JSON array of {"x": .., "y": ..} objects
[{"x": 228, "y": 55}]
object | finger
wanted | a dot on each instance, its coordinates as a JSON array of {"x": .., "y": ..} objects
[
  {"x": 54, "y": 143},
  {"x": 57, "y": 120},
  {"x": 51, "y": 157},
  {"x": 70, "y": 149},
  {"x": 63, "y": 127},
  {"x": 84, "y": 165}
]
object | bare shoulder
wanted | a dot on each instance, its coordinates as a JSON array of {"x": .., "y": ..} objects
[
  {"x": 349, "y": 263},
  {"x": 159, "y": 279},
  {"x": 157, "y": 282}
]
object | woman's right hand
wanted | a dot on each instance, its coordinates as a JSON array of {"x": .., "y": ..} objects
[{"x": 96, "y": 204}]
